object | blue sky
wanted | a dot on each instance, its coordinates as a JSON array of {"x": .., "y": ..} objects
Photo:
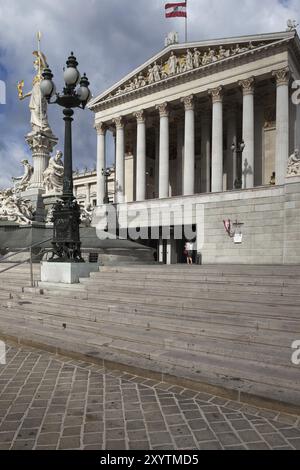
[{"x": 109, "y": 38}]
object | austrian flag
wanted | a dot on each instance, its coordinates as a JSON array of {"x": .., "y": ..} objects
[{"x": 175, "y": 9}]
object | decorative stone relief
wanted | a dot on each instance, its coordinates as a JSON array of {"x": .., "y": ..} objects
[
  {"x": 293, "y": 168},
  {"x": 15, "y": 209},
  {"x": 178, "y": 63}
]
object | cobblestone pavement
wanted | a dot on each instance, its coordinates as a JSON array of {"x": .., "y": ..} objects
[{"x": 51, "y": 402}]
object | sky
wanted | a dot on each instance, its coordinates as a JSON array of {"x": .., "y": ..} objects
[{"x": 109, "y": 38}]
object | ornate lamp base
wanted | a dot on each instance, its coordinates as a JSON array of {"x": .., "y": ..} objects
[{"x": 66, "y": 238}]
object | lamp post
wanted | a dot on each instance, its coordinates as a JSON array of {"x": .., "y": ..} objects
[
  {"x": 66, "y": 212},
  {"x": 106, "y": 172},
  {"x": 238, "y": 149}
]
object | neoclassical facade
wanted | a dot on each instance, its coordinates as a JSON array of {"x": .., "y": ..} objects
[{"x": 207, "y": 120}]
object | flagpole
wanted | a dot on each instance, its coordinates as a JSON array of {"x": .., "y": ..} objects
[{"x": 186, "y": 23}]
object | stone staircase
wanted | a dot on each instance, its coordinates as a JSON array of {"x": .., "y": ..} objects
[{"x": 223, "y": 329}]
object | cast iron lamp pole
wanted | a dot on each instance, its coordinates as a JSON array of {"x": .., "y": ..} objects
[
  {"x": 238, "y": 149},
  {"x": 66, "y": 215}
]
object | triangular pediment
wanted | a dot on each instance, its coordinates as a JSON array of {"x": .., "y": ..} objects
[{"x": 178, "y": 59}]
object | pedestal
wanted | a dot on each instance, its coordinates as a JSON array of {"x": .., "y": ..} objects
[
  {"x": 41, "y": 145},
  {"x": 66, "y": 273},
  {"x": 49, "y": 200}
]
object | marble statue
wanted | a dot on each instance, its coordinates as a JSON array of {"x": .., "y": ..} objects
[
  {"x": 171, "y": 39},
  {"x": 37, "y": 103},
  {"x": 189, "y": 60},
  {"x": 156, "y": 72},
  {"x": 22, "y": 182},
  {"x": 197, "y": 58},
  {"x": 172, "y": 64},
  {"x": 86, "y": 215},
  {"x": 15, "y": 209},
  {"x": 292, "y": 25},
  {"x": 293, "y": 168},
  {"x": 53, "y": 175},
  {"x": 150, "y": 75}
]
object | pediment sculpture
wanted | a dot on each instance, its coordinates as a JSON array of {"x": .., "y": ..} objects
[{"x": 176, "y": 63}]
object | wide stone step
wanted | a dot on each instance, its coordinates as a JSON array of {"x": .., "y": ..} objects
[
  {"x": 273, "y": 382},
  {"x": 266, "y": 343},
  {"x": 181, "y": 320},
  {"x": 195, "y": 278},
  {"x": 209, "y": 269},
  {"x": 192, "y": 287},
  {"x": 191, "y": 299}
]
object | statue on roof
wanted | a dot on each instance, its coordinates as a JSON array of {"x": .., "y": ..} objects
[{"x": 292, "y": 25}]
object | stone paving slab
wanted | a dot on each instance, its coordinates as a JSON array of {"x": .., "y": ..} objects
[{"x": 54, "y": 402}]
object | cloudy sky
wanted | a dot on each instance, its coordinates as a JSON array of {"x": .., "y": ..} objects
[{"x": 109, "y": 39}]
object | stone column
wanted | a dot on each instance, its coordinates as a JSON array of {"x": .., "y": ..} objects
[
  {"x": 231, "y": 139},
  {"x": 141, "y": 156},
  {"x": 120, "y": 160},
  {"x": 163, "y": 150},
  {"x": 205, "y": 153},
  {"x": 101, "y": 161},
  {"x": 180, "y": 151},
  {"x": 217, "y": 139},
  {"x": 189, "y": 147},
  {"x": 41, "y": 146},
  {"x": 248, "y": 132},
  {"x": 88, "y": 195},
  {"x": 282, "y": 124}
]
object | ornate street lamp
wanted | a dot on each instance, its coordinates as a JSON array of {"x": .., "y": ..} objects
[
  {"x": 106, "y": 172},
  {"x": 238, "y": 149},
  {"x": 66, "y": 212}
]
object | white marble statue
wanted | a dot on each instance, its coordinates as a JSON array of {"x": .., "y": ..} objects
[
  {"x": 22, "y": 182},
  {"x": 189, "y": 60},
  {"x": 197, "y": 58},
  {"x": 86, "y": 215},
  {"x": 54, "y": 174},
  {"x": 171, "y": 39},
  {"x": 37, "y": 103},
  {"x": 156, "y": 72},
  {"x": 150, "y": 75},
  {"x": 293, "y": 168},
  {"x": 172, "y": 64},
  {"x": 292, "y": 25}
]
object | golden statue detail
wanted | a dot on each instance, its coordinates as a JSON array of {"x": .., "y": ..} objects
[{"x": 37, "y": 104}]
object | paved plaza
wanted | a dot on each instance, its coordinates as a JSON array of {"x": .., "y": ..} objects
[{"x": 51, "y": 402}]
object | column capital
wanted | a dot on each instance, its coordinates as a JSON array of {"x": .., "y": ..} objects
[
  {"x": 163, "y": 109},
  {"x": 140, "y": 116},
  {"x": 100, "y": 128},
  {"x": 247, "y": 86},
  {"x": 119, "y": 122},
  {"x": 216, "y": 94},
  {"x": 188, "y": 102},
  {"x": 282, "y": 76}
]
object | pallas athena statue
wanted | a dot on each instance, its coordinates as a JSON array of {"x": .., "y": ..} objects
[{"x": 37, "y": 103}]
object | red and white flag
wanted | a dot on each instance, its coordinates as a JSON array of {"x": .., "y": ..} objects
[{"x": 176, "y": 9}]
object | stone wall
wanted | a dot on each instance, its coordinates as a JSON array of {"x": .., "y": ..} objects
[{"x": 270, "y": 217}]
